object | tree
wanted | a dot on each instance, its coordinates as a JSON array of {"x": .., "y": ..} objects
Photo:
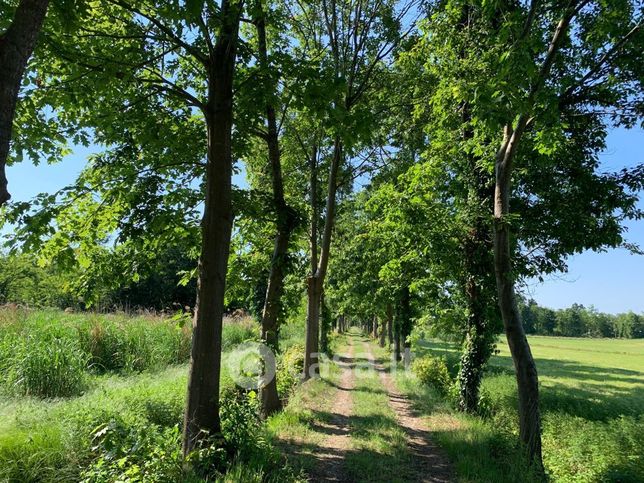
[
  {"x": 570, "y": 322},
  {"x": 17, "y": 43},
  {"x": 467, "y": 43},
  {"x": 536, "y": 103},
  {"x": 285, "y": 215},
  {"x": 181, "y": 61},
  {"x": 357, "y": 39},
  {"x": 440, "y": 127}
]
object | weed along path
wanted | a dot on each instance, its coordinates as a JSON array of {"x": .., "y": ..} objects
[{"x": 352, "y": 425}]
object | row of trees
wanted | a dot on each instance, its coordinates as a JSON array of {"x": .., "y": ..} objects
[
  {"x": 579, "y": 321},
  {"x": 157, "y": 285},
  {"x": 472, "y": 127}
]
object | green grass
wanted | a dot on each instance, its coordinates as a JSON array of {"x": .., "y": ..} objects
[
  {"x": 52, "y": 440},
  {"x": 295, "y": 429},
  {"x": 377, "y": 449},
  {"x": 378, "y": 444},
  {"x": 124, "y": 418},
  {"x": 49, "y": 353},
  {"x": 592, "y": 396}
]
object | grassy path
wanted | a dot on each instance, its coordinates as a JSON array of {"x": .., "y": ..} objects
[
  {"x": 353, "y": 425},
  {"x": 330, "y": 464},
  {"x": 429, "y": 463}
]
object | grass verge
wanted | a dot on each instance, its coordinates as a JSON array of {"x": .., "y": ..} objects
[{"x": 592, "y": 395}]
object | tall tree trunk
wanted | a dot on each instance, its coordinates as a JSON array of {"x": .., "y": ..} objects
[
  {"x": 375, "y": 327},
  {"x": 524, "y": 365},
  {"x": 479, "y": 284},
  {"x": 397, "y": 348},
  {"x": 312, "y": 341},
  {"x": 479, "y": 335},
  {"x": 315, "y": 282},
  {"x": 390, "y": 324},
  {"x": 201, "y": 419},
  {"x": 285, "y": 225},
  {"x": 325, "y": 324},
  {"x": 405, "y": 325},
  {"x": 383, "y": 333},
  {"x": 16, "y": 46}
]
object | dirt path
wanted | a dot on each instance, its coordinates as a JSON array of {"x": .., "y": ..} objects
[
  {"x": 428, "y": 462},
  {"x": 330, "y": 464}
]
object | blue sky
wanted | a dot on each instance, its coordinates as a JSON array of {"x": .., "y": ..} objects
[{"x": 612, "y": 281}]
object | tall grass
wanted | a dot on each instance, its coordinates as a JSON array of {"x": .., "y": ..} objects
[
  {"x": 49, "y": 441},
  {"x": 45, "y": 368},
  {"x": 237, "y": 331},
  {"x": 50, "y": 353},
  {"x": 124, "y": 423}
]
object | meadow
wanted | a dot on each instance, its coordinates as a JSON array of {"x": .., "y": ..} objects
[
  {"x": 592, "y": 402},
  {"x": 97, "y": 398}
]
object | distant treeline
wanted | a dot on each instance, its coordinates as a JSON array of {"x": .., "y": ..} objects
[
  {"x": 580, "y": 321},
  {"x": 24, "y": 281},
  {"x": 156, "y": 286}
]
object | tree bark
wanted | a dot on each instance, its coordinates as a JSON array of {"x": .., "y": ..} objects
[
  {"x": 524, "y": 365},
  {"x": 397, "y": 356},
  {"x": 479, "y": 335},
  {"x": 325, "y": 325},
  {"x": 312, "y": 347},
  {"x": 285, "y": 225},
  {"x": 315, "y": 282},
  {"x": 311, "y": 341},
  {"x": 201, "y": 420},
  {"x": 383, "y": 333},
  {"x": 405, "y": 325},
  {"x": 16, "y": 46},
  {"x": 397, "y": 344},
  {"x": 479, "y": 283},
  {"x": 390, "y": 324},
  {"x": 375, "y": 327}
]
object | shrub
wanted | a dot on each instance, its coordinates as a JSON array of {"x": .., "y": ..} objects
[
  {"x": 127, "y": 451},
  {"x": 46, "y": 367},
  {"x": 240, "y": 422},
  {"x": 582, "y": 450},
  {"x": 289, "y": 369},
  {"x": 432, "y": 371}
]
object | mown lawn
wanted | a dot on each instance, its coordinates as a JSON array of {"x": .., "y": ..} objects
[{"x": 592, "y": 402}]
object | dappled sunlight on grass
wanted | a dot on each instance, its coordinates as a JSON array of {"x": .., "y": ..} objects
[{"x": 593, "y": 424}]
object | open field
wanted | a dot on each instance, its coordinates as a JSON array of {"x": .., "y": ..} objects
[{"x": 592, "y": 401}]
